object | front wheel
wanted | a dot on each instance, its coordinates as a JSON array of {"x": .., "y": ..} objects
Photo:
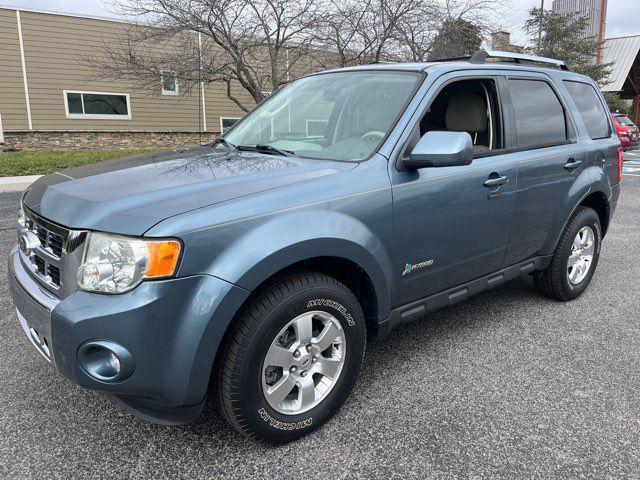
[
  {"x": 574, "y": 259},
  {"x": 293, "y": 358}
]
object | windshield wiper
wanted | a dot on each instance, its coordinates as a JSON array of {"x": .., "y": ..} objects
[
  {"x": 223, "y": 142},
  {"x": 263, "y": 148}
]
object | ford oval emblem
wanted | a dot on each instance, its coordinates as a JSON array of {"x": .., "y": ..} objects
[{"x": 28, "y": 242}]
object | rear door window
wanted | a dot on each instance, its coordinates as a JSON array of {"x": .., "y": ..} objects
[
  {"x": 540, "y": 118},
  {"x": 593, "y": 114}
]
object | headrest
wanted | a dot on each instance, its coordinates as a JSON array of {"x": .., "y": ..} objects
[{"x": 466, "y": 112}]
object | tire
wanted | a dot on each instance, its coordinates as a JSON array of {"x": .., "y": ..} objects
[
  {"x": 245, "y": 379},
  {"x": 560, "y": 282}
]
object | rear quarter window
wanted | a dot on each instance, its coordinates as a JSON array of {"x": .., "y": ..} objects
[
  {"x": 540, "y": 117},
  {"x": 593, "y": 113}
]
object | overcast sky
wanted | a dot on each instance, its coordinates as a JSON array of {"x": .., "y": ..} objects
[{"x": 623, "y": 16}]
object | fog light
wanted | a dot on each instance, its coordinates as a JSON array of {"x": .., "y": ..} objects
[{"x": 105, "y": 361}]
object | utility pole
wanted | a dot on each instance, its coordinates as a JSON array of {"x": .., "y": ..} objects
[
  {"x": 540, "y": 27},
  {"x": 601, "y": 30}
]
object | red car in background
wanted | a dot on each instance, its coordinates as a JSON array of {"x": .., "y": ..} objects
[{"x": 628, "y": 133}]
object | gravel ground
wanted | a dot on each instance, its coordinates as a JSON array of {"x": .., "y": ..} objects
[{"x": 505, "y": 385}]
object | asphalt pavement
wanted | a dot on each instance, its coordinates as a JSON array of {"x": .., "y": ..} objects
[
  {"x": 505, "y": 385},
  {"x": 632, "y": 163}
]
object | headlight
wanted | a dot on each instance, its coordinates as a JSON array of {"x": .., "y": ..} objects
[{"x": 115, "y": 264}]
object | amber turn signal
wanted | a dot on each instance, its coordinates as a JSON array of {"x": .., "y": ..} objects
[{"x": 163, "y": 258}]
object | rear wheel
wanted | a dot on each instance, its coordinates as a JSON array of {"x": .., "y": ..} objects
[
  {"x": 293, "y": 358},
  {"x": 575, "y": 258}
]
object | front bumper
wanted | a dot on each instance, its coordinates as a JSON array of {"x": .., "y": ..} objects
[{"x": 171, "y": 327}]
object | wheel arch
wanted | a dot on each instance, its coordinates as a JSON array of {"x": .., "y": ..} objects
[
  {"x": 598, "y": 202},
  {"x": 347, "y": 272},
  {"x": 595, "y": 199},
  {"x": 329, "y": 242}
]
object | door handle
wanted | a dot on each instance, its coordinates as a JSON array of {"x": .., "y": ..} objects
[
  {"x": 496, "y": 181},
  {"x": 572, "y": 164}
]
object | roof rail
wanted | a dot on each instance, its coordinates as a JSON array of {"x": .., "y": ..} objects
[{"x": 481, "y": 56}]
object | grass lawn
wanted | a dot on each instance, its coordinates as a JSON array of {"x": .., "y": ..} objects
[{"x": 34, "y": 163}]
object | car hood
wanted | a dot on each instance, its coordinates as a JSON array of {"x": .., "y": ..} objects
[{"x": 131, "y": 194}]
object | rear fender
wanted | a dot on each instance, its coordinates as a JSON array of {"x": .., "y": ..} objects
[{"x": 581, "y": 188}]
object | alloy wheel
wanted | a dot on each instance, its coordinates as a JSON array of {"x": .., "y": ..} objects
[
  {"x": 303, "y": 362},
  {"x": 581, "y": 257}
]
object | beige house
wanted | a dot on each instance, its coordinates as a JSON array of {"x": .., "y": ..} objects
[{"x": 50, "y": 99}]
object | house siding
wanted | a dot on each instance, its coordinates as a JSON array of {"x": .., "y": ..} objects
[
  {"x": 13, "y": 106},
  {"x": 55, "y": 47}
]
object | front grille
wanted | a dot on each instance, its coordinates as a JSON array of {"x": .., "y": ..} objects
[
  {"x": 48, "y": 240},
  {"x": 55, "y": 244},
  {"x": 48, "y": 258},
  {"x": 54, "y": 274},
  {"x": 40, "y": 265}
]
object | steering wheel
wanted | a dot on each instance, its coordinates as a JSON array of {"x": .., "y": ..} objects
[{"x": 373, "y": 136}]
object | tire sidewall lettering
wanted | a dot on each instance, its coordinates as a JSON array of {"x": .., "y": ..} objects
[
  {"x": 253, "y": 406},
  {"x": 277, "y": 424},
  {"x": 596, "y": 227},
  {"x": 334, "y": 305},
  {"x": 278, "y": 421}
]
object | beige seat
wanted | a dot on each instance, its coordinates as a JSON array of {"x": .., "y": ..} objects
[{"x": 467, "y": 112}]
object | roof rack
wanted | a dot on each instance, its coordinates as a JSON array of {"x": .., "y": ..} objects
[{"x": 481, "y": 56}]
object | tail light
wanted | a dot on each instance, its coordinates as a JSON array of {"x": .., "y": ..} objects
[{"x": 620, "y": 160}]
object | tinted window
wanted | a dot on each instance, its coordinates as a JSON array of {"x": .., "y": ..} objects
[
  {"x": 97, "y": 104},
  {"x": 539, "y": 114},
  {"x": 227, "y": 123},
  {"x": 593, "y": 114},
  {"x": 75, "y": 102},
  {"x": 169, "y": 83}
]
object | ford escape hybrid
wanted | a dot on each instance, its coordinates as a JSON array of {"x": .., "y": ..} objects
[{"x": 256, "y": 268}]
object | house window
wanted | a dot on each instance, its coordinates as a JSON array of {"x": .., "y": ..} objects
[
  {"x": 316, "y": 128},
  {"x": 97, "y": 105},
  {"x": 169, "y": 83},
  {"x": 227, "y": 123}
]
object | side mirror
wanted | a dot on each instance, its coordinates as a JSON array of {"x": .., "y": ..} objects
[{"x": 441, "y": 149}]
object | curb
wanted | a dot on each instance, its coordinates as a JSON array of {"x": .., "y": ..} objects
[{"x": 17, "y": 184}]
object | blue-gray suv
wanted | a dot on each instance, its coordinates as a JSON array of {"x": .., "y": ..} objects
[{"x": 256, "y": 268}]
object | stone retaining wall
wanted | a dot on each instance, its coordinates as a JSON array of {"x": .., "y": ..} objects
[{"x": 101, "y": 140}]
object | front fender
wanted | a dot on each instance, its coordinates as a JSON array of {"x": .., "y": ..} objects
[{"x": 286, "y": 239}]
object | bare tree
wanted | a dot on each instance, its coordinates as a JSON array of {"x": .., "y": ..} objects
[
  {"x": 249, "y": 45},
  {"x": 255, "y": 46},
  {"x": 373, "y": 31},
  {"x": 416, "y": 32}
]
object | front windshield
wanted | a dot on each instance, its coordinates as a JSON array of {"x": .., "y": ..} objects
[{"x": 334, "y": 116}]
